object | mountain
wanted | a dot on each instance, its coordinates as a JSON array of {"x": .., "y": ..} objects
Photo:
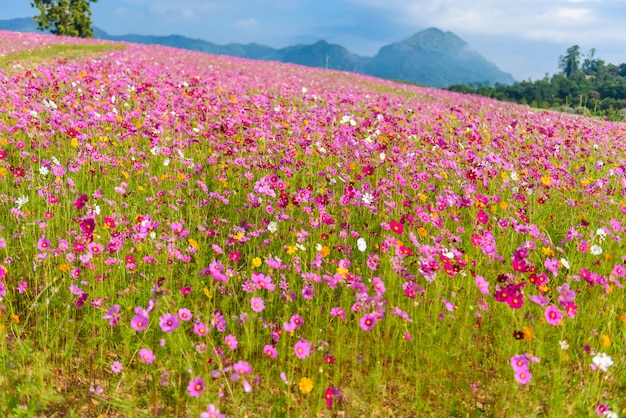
[
  {"x": 437, "y": 59},
  {"x": 430, "y": 57}
]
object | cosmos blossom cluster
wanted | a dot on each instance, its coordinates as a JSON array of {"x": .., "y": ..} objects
[{"x": 231, "y": 210}]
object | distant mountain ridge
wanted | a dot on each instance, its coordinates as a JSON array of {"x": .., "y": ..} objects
[{"x": 431, "y": 57}]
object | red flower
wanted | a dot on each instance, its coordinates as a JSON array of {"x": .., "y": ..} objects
[
  {"x": 396, "y": 227},
  {"x": 328, "y": 397}
]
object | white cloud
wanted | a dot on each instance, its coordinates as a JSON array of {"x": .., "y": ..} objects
[{"x": 550, "y": 20}]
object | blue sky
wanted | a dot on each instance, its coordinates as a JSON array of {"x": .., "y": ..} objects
[{"x": 523, "y": 37}]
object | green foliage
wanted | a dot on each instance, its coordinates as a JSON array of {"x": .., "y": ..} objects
[
  {"x": 64, "y": 17},
  {"x": 570, "y": 62},
  {"x": 593, "y": 88}
]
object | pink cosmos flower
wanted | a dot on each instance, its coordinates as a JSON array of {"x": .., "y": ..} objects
[
  {"x": 212, "y": 412},
  {"x": 257, "y": 304},
  {"x": 519, "y": 362},
  {"x": 553, "y": 315},
  {"x": 482, "y": 284},
  {"x": 338, "y": 312},
  {"x": 43, "y": 244},
  {"x": 139, "y": 322},
  {"x": 184, "y": 314},
  {"x": 116, "y": 367},
  {"x": 200, "y": 328},
  {"x": 368, "y": 321},
  {"x": 270, "y": 351},
  {"x": 196, "y": 387},
  {"x": 523, "y": 376},
  {"x": 242, "y": 367},
  {"x": 302, "y": 349},
  {"x": 552, "y": 265},
  {"x": 231, "y": 341},
  {"x": 146, "y": 355},
  {"x": 169, "y": 322}
]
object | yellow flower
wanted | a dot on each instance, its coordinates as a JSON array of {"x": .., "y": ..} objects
[
  {"x": 256, "y": 261},
  {"x": 305, "y": 385},
  {"x": 64, "y": 267},
  {"x": 208, "y": 293},
  {"x": 3, "y": 171},
  {"x": 546, "y": 180},
  {"x": 325, "y": 251},
  {"x": 16, "y": 320},
  {"x": 291, "y": 249},
  {"x": 238, "y": 236},
  {"x": 423, "y": 232},
  {"x": 503, "y": 205},
  {"x": 546, "y": 251},
  {"x": 606, "y": 341},
  {"x": 193, "y": 243}
]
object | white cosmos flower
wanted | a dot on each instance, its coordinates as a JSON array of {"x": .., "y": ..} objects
[
  {"x": 564, "y": 344},
  {"x": 448, "y": 254},
  {"x": 272, "y": 227},
  {"x": 21, "y": 201},
  {"x": 565, "y": 263},
  {"x": 367, "y": 198},
  {"x": 595, "y": 249},
  {"x": 603, "y": 361},
  {"x": 44, "y": 171},
  {"x": 361, "y": 244}
]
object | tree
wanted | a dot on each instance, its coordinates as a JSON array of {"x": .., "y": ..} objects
[
  {"x": 64, "y": 17},
  {"x": 570, "y": 63}
]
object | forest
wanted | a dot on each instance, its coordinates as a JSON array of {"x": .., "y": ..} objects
[{"x": 585, "y": 85}]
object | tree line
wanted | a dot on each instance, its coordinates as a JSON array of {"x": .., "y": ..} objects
[{"x": 585, "y": 85}]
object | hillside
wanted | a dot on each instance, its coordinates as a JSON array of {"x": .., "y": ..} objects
[{"x": 195, "y": 235}]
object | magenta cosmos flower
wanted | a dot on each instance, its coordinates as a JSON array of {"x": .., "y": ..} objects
[
  {"x": 195, "y": 387},
  {"x": 554, "y": 316},
  {"x": 302, "y": 349},
  {"x": 368, "y": 321}
]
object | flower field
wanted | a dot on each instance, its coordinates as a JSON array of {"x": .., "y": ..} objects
[{"x": 193, "y": 235}]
